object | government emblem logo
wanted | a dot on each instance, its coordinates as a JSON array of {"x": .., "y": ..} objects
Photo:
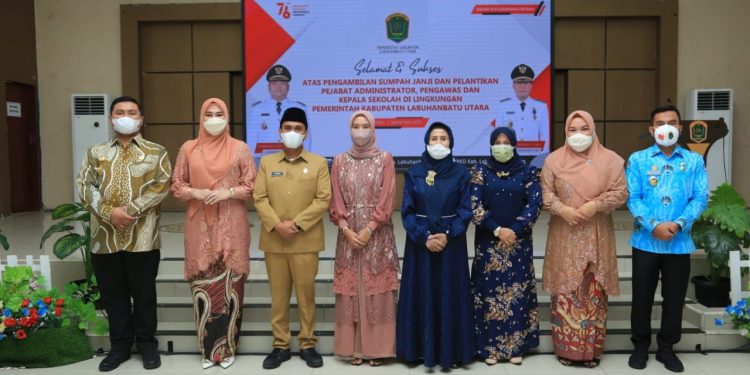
[
  {"x": 397, "y": 27},
  {"x": 698, "y": 131}
]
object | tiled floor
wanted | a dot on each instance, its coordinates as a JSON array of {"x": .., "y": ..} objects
[{"x": 695, "y": 363}]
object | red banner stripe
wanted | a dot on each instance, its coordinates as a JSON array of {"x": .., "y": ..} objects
[
  {"x": 530, "y": 144},
  {"x": 401, "y": 122},
  {"x": 505, "y": 9},
  {"x": 265, "y": 42},
  {"x": 262, "y": 146}
]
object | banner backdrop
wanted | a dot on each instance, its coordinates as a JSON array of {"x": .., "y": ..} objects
[{"x": 409, "y": 63}]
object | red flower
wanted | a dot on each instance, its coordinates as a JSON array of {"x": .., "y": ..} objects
[
  {"x": 9, "y": 322},
  {"x": 20, "y": 334},
  {"x": 47, "y": 300},
  {"x": 59, "y": 302},
  {"x": 32, "y": 311},
  {"x": 25, "y": 302},
  {"x": 58, "y": 311}
]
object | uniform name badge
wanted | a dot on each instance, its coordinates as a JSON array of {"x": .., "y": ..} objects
[{"x": 277, "y": 174}]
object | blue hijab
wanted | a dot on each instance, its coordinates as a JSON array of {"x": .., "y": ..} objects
[
  {"x": 447, "y": 172},
  {"x": 515, "y": 163}
]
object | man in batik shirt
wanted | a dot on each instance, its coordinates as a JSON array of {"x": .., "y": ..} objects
[{"x": 122, "y": 183}]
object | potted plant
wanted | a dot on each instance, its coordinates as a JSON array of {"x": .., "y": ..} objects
[
  {"x": 67, "y": 216},
  {"x": 43, "y": 328},
  {"x": 723, "y": 227}
]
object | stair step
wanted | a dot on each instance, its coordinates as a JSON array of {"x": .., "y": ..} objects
[
  {"x": 256, "y": 285},
  {"x": 258, "y": 309},
  {"x": 175, "y": 265},
  {"x": 256, "y": 338}
]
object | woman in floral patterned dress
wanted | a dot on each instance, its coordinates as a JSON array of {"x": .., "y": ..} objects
[
  {"x": 582, "y": 183},
  {"x": 506, "y": 199}
]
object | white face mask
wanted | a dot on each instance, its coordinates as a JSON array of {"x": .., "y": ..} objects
[
  {"x": 215, "y": 125},
  {"x": 580, "y": 142},
  {"x": 361, "y": 136},
  {"x": 438, "y": 151},
  {"x": 502, "y": 153},
  {"x": 126, "y": 125},
  {"x": 666, "y": 135},
  {"x": 292, "y": 139}
]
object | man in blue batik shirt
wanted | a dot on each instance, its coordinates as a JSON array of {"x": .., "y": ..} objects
[{"x": 668, "y": 191}]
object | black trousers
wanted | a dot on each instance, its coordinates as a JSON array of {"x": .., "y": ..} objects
[
  {"x": 121, "y": 276},
  {"x": 675, "y": 274}
]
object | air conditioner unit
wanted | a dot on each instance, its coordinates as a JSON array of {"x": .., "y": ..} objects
[
  {"x": 715, "y": 104},
  {"x": 90, "y": 126}
]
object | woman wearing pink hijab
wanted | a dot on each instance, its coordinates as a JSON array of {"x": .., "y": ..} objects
[
  {"x": 366, "y": 268},
  {"x": 215, "y": 174},
  {"x": 582, "y": 183}
]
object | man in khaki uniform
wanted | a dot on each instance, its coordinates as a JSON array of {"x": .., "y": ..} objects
[{"x": 292, "y": 193}]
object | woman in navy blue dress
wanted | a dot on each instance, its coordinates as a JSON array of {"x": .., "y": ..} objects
[
  {"x": 435, "y": 318},
  {"x": 506, "y": 198}
]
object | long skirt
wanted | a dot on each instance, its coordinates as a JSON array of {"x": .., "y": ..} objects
[
  {"x": 366, "y": 325},
  {"x": 217, "y": 303},
  {"x": 579, "y": 321}
]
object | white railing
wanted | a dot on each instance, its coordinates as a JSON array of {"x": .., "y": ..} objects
[
  {"x": 735, "y": 277},
  {"x": 40, "y": 266}
]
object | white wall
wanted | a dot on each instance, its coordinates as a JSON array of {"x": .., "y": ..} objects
[
  {"x": 714, "y": 52},
  {"x": 78, "y": 51}
]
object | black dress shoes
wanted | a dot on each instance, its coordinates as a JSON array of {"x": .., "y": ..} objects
[
  {"x": 638, "y": 359},
  {"x": 670, "y": 360},
  {"x": 151, "y": 359},
  {"x": 276, "y": 358},
  {"x": 311, "y": 357},
  {"x": 113, "y": 360}
]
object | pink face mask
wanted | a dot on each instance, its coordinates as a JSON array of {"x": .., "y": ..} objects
[{"x": 361, "y": 136}]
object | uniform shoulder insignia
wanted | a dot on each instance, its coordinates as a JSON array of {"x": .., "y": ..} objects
[
  {"x": 504, "y": 100},
  {"x": 300, "y": 103},
  {"x": 256, "y": 103}
]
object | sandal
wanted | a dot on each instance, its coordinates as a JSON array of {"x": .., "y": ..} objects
[
  {"x": 516, "y": 360},
  {"x": 590, "y": 364},
  {"x": 490, "y": 361},
  {"x": 565, "y": 362},
  {"x": 356, "y": 361},
  {"x": 375, "y": 362}
]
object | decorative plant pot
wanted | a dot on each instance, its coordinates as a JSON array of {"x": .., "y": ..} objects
[
  {"x": 46, "y": 348},
  {"x": 711, "y": 295}
]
